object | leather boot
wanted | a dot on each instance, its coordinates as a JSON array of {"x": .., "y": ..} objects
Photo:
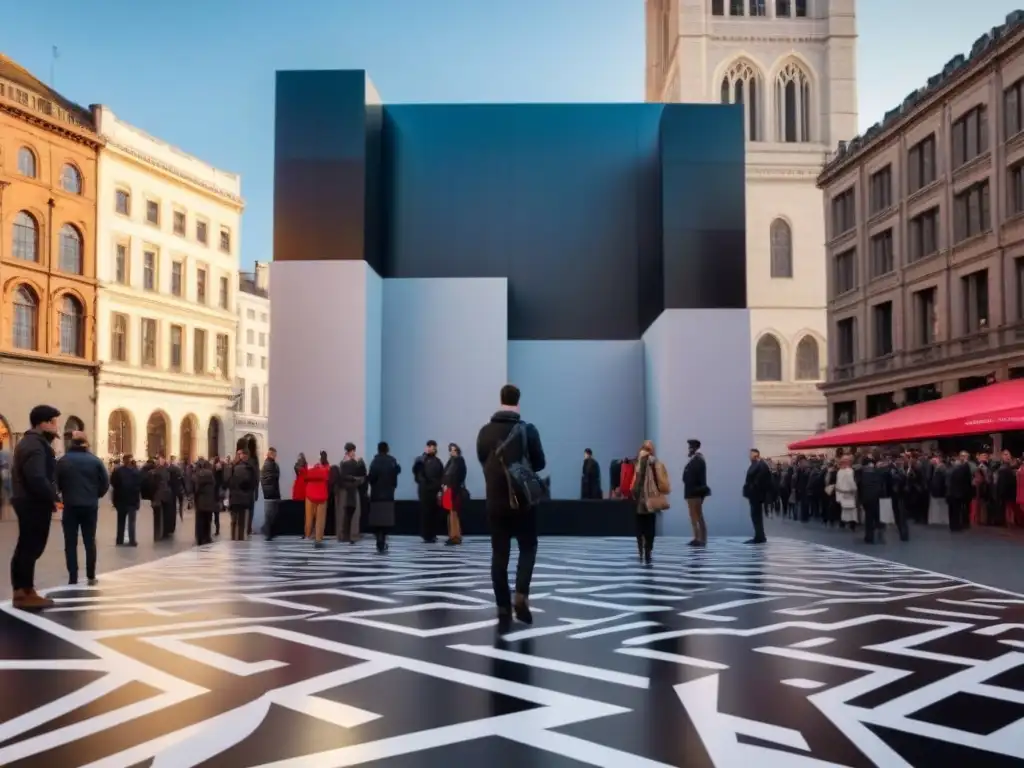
[
  {"x": 30, "y": 600},
  {"x": 522, "y": 609}
]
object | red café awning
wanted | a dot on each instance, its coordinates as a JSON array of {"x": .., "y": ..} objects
[{"x": 995, "y": 408}]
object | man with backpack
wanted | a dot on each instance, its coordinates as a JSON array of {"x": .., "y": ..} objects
[{"x": 511, "y": 454}]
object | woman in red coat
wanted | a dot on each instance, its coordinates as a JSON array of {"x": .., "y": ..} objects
[
  {"x": 299, "y": 486},
  {"x": 317, "y": 479}
]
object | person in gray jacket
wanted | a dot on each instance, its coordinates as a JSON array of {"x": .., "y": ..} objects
[{"x": 83, "y": 481}]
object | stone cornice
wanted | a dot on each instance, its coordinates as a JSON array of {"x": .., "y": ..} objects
[
  {"x": 787, "y": 39},
  {"x": 195, "y": 181},
  {"x": 781, "y": 174},
  {"x": 66, "y": 131}
]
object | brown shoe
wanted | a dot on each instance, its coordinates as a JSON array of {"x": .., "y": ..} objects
[{"x": 30, "y": 600}]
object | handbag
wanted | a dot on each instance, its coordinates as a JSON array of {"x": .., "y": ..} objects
[{"x": 658, "y": 502}]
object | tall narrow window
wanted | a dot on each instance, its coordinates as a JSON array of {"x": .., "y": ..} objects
[
  {"x": 782, "y": 249},
  {"x": 72, "y": 327},
  {"x": 122, "y": 202},
  {"x": 148, "y": 342},
  {"x": 201, "y": 285},
  {"x": 793, "y": 104},
  {"x": 177, "y": 342},
  {"x": 25, "y": 329},
  {"x": 121, "y": 263},
  {"x": 199, "y": 351},
  {"x": 149, "y": 270},
  {"x": 119, "y": 338},
  {"x": 741, "y": 84},
  {"x": 70, "y": 250},
  {"x": 225, "y": 287},
  {"x": 177, "y": 278},
  {"x": 254, "y": 400},
  {"x": 26, "y": 237},
  {"x": 808, "y": 366},
  {"x": 223, "y": 350}
]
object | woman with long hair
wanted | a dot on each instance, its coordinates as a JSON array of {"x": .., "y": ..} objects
[{"x": 651, "y": 487}]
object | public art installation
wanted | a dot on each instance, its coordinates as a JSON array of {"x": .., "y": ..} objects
[{"x": 592, "y": 254}]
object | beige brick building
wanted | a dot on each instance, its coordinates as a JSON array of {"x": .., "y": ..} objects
[{"x": 924, "y": 221}]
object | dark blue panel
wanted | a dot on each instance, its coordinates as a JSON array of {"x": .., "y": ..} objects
[
  {"x": 702, "y": 133},
  {"x": 319, "y": 166},
  {"x": 560, "y": 199}
]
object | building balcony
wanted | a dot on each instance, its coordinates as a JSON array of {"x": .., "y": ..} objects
[{"x": 1008, "y": 340}]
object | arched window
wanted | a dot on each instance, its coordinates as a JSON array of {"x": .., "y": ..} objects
[
  {"x": 768, "y": 356},
  {"x": 254, "y": 400},
  {"x": 782, "y": 249},
  {"x": 70, "y": 250},
  {"x": 157, "y": 428},
  {"x": 26, "y": 237},
  {"x": 741, "y": 84},
  {"x": 71, "y": 179},
  {"x": 793, "y": 104},
  {"x": 25, "y": 330},
  {"x": 27, "y": 162},
  {"x": 807, "y": 363},
  {"x": 119, "y": 433},
  {"x": 72, "y": 425},
  {"x": 72, "y": 327},
  {"x": 213, "y": 438}
]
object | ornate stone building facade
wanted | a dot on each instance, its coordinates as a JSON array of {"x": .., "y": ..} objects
[
  {"x": 791, "y": 64},
  {"x": 48, "y": 177},
  {"x": 252, "y": 364},
  {"x": 168, "y": 249},
  {"x": 925, "y": 239}
]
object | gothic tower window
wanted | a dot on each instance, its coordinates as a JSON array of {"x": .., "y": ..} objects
[
  {"x": 742, "y": 85},
  {"x": 793, "y": 104}
]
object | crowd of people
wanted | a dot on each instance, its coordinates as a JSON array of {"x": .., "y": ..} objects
[{"x": 871, "y": 489}]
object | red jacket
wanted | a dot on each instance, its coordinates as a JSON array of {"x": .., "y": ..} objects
[
  {"x": 317, "y": 481},
  {"x": 626, "y": 484},
  {"x": 299, "y": 486}
]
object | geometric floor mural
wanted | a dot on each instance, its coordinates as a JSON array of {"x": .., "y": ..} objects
[{"x": 276, "y": 654}]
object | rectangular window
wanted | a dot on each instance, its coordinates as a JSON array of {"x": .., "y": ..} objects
[
  {"x": 153, "y": 212},
  {"x": 177, "y": 333},
  {"x": 1019, "y": 266},
  {"x": 757, "y": 8},
  {"x": 201, "y": 285},
  {"x": 1015, "y": 189},
  {"x": 179, "y": 223},
  {"x": 971, "y": 212},
  {"x": 250, "y": 360},
  {"x": 149, "y": 270},
  {"x": 225, "y": 288},
  {"x": 921, "y": 164},
  {"x": 148, "y": 342},
  {"x": 199, "y": 351},
  {"x": 735, "y": 7},
  {"x": 970, "y": 136},
  {"x": 882, "y": 261},
  {"x": 121, "y": 263},
  {"x": 263, "y": 317},
  {"x": 223, "y": 352},
  {"x": 122, "y": 202},
  {"x": 263, "y": 360},
  {"x": 201, "y": 232},
  {"x": 846, "y": 342},
  {"x": 880, "y": 190},
  {"x": 240, "y": 397},
  {"x": 225, "y": 239},
  {"x": 923, "y": 232},
  {"x": 783, "y": 8},
  {"x": 263, "y": 339},
  {"x": 801, "y": 9},
  {"x": 926, "y": 318},
  {"x": 177, "y": 278},
  {"x": 846, "y": 271},
  {"x": 975, "y": 293},
  {"x": 119, "y": 338},
  {"x": 844, "y": 212},
  {"x": 718, "y": 7},
  {"x": 250, "y": 314},
  {"x": 250, "y": 336},
  {"x": 881, "y": 321},
  {"x": 1013, "y": 109}
]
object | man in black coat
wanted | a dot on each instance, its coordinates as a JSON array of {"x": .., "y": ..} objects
[
  {"x": 383, "y": 480},
  {"x": 241, "y": 483},
  {"x": 505, "y": 521},
  {"x": 34, "y": 498},
  {"x": 82, "y": 481},
  {"x": 206, "y": 497},
  {"x": 959, "y": 490},
  {"x": 157, "y": 482},
  {"x": 590, "y": 483},
  {"x": 695, "y": 490},
  {"x": 270, "y": 484},
  {"x": 873, "y": 485},
  {"x": 428, "y": 472},
  {"x": 126, "y": 483},
  {"x": 756, "y": 486}
]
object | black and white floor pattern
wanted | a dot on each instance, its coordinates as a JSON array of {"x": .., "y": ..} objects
[{"x": 275, "y": 654}]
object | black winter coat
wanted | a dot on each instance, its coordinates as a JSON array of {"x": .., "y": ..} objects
[
  {"x": 428, "y": 472},
  {"x": 241, "y": 483},
  {"x": 590, "y": 481},
  {"x": 489, "y": 439},
  {"x": 204, "y": 486},
  {"x": 757, "y": 483},
  {"x": 695, "y": 478},
  {"x": 34, "y": 470},
  {"x": 455, "y": 473},
  {"x": 270, "y": 480},
  {"x": 383, "y": 477},
  {"x": 126, "y": 482}
]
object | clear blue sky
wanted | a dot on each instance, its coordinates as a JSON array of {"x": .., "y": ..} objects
[{"x": 200, "y": 73}]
